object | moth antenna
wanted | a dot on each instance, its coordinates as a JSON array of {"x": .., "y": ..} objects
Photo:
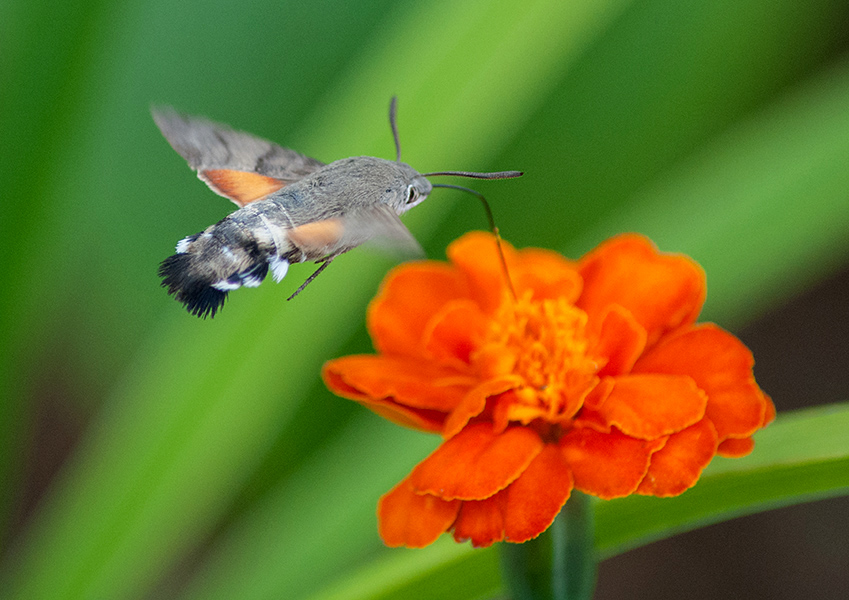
[
  {"x": 492, "y": 226},
  {"x": 474, "y": 175},
  {"x": 311, "y": 277},
  {"x": 393, "y": 110}
]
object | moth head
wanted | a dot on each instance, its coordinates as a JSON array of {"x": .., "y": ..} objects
[{"x": 417, "y": 190}]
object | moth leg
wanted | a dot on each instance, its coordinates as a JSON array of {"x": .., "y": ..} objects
[{"x": 323, "y": 266}]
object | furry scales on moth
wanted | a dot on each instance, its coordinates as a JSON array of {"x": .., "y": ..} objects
[{"x": 292, "y": 208}]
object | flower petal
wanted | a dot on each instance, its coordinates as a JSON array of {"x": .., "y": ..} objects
[
  {"x": 409, "y": 392},
  {"x": 536, "y": 497},
  {"x": 405, "y": 518},
  {"x": 677, "y": 466},
  {"x": 736, "y": 447},
  {"x": 522, "y": 511},
  {"x": 476, "y": 463},
  {"x": 548, "y": 274},
  {"x": 474, "y": 402},
  {"x": 409, "y": 297},
  {"x": 455, "y": 332},
  {"x": 769, "y": 411},
  {"x": 721, "y": 366},
  {"x": 590, "y": 416},
  {"x": 476, "y": 256},
  {"x": 607, "y": 465},
  {"x": 662, "y": 291},
  {"x": 650, "y": 406},
  {"x": 621, "y": 340},
  {"x": 481, "y": 521}
]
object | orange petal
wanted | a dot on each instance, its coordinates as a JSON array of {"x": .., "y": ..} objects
[
  {"x": 662, "y": 291},
  {"x": 621, "y": 340},
  {"x": 548, "y": 274},
  {"x": 501, "y": 408},
  {"x": 410, "y": 296},
  {"x": 650, "y": 406},
  {"x": 536, "y": 497},
  {"x": 721, "y": 366},
  {"x": 590, "y": 415},
  {"x": 409, "y": 392},
  {"x": 414, "y": 383},
  {"x": 736, "y": 447},
  {"x": 422, "y": 420},
  {"x": 474, "y": 402},
  {"x": 493, "y": 359},
  {"x": 455, "y": 331},
  {"x": 476, "y": 256},
  {"x": 677, "y": 466},
  {"x": 769, "y": 412},
  {"x": 525, "y": 509},
  {"x": 405, "y": 518},
  {"x": 476, "y": 463},
  {"x": 607, "y": 465},
  {"x": 481, "y": 521}
]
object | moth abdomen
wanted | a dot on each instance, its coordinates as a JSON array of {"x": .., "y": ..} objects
[
  {"x": 208, "y": 265},
  {"x": 195, "y": 292}
]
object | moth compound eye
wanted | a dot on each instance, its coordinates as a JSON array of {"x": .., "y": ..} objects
[{"x": 412, "y": 195}]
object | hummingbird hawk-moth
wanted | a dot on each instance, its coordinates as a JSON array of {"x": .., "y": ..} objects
[{"x": 292, "y": 208}]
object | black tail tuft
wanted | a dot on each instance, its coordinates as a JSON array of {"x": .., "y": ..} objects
[{"x": 197, "y": 294}]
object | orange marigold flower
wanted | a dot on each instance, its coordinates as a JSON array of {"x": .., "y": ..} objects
[{"x": 594, "y": 377}]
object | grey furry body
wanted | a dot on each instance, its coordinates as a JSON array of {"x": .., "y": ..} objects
[
  {"x": 345, "y": 190},
  {"x": 361, "y": 196}
]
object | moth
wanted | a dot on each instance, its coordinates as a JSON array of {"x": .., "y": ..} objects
[{"x": 292, "y": 208}]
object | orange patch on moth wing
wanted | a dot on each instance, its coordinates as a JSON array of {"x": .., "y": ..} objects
[
  {"x": 241, "y": 187},
  {"x": 318, "y": 235}
]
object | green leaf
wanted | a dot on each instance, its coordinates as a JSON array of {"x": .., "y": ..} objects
[
  {"x": 443, "y": 570},
  {"x": 317, "y": 522}
]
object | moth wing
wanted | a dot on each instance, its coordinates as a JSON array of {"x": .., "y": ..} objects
[
  {"x": 381, "y": 228},
  {"x": 237, "y": 165}
]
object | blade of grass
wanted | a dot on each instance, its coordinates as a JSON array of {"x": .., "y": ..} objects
[
  {"x": 36, "y": 77},
  {"x": 443, "y": 570},
  {"x": 317, "y": 522}
]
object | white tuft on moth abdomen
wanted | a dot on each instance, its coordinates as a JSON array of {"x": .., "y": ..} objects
[{"x": 279, "y": 267}]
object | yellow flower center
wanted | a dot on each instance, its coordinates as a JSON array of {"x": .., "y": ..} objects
[{"x": 544, "y": 343}]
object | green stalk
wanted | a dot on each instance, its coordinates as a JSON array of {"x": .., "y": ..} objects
[{"x": 560, "y": 564}]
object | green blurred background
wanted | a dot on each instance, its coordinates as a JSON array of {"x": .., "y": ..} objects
[{"x": 147, "y": 454}]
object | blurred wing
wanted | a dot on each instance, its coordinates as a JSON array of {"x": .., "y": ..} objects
[
  {"x": 235, "y": 164},
  {"x": 379, "y": 226}
]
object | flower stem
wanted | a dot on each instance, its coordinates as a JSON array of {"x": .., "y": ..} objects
[{"x": 560, "y": 564}]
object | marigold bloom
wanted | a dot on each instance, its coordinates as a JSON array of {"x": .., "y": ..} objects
[{"x": 595, "y": 377}]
